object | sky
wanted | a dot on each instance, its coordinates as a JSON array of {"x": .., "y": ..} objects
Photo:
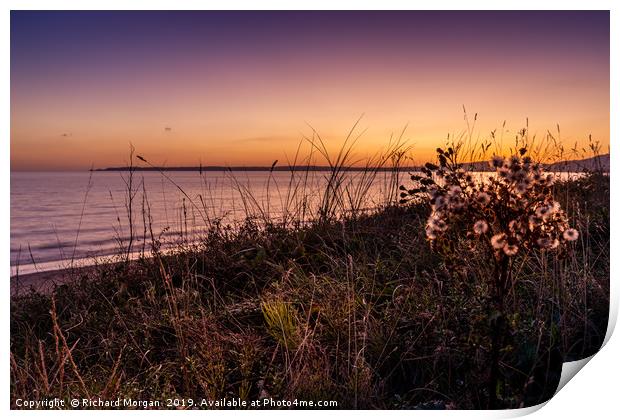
[{"x": 244, "y": 88}]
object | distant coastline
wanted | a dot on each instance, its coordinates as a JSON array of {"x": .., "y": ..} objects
[
  {"x": 287, "y": 168},
  {"x": 599, "y": 162}
]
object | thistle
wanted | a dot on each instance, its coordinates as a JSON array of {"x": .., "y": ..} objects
[{"x": 507, "y": 214}]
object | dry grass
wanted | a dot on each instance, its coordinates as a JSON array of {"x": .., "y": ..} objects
[{"x": 326, "y": 302}]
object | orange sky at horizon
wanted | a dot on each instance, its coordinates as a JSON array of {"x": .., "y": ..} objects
[{"x": 231, "y": 100}]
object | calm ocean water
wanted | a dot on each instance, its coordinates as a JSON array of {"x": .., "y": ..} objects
[
  {"x": 58, "y": 217},
  {"x": 46, "y": 209}
]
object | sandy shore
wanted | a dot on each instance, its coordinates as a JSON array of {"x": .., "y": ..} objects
[{"x": 45, "y": 281}]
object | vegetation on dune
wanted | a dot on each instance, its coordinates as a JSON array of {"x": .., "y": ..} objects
[{"x": 352, "y": 306}]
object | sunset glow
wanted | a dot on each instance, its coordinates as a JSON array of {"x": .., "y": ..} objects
[{"x": 242, "y": 88}]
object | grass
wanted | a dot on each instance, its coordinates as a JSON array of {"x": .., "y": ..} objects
[{"x": 334, "y": 303}]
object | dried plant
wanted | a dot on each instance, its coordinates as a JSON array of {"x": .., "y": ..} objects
[{"x": 505, "y": 212}]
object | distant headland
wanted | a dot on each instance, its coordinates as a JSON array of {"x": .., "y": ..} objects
[{"x": 599, "y": 162}]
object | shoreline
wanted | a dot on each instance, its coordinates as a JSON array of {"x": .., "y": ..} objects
[
  {"x": 43, "y": 276},
  {"x": 43, "y": 281}
]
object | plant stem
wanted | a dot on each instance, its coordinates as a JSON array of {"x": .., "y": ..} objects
[{"x": 497, "y": 326}]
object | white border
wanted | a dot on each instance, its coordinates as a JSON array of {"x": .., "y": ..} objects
[{"x": 593, "y": 394}]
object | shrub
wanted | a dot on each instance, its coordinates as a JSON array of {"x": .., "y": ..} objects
[{"x": 508, "y": 212}]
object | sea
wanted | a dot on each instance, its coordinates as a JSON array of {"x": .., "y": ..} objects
[{"x": 65, "y": 218}]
